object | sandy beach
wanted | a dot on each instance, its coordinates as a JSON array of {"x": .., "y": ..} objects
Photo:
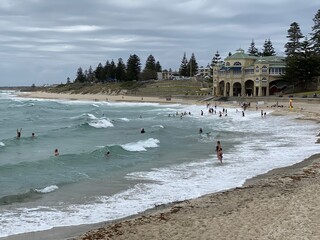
[{"x": 281, "y": 204}]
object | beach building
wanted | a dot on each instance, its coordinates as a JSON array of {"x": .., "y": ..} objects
[{"x": 245, "y": 75}]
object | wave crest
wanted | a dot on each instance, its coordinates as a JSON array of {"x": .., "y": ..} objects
[
  {"x": 47, "y": 189},
  {"x": 141, "y": 145}
]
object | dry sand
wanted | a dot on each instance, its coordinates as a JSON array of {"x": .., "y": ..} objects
[{"x": 282, "y": 204}]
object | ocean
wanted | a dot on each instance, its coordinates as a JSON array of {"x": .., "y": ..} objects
[{"x": 170, "y": 162}]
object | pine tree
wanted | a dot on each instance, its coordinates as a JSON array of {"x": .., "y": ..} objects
[
  {"x": 112, "y": 70},
  {"x": 158, "y": 67},
  {"x": 216, "y": 59},
  {"x": 253, "y": 51},
  {"x": 268, "y": 49},
  {"x": 80, "y": 76},
  {"x": 107, "y": 70},
  {"x": 294, "y": 60},
  {"x": 192, "y": 66},
  {"x": 315, "y": 35},
  {"x": 91, "y": 75},
  {"x": 99, "y": 73},
  {"x": 183, "y": 70},
  {"x": 149, "y": 71},
  {"x": 120, "y": 70},
  {"x": 133, "y": 67},
  {"x": 293, "y": 47}
]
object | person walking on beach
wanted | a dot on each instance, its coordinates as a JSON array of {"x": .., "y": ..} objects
[
  {"x": 19, "y": 132},
  {"x": 219, "y": 151}
]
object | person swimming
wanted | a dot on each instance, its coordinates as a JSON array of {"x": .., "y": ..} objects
[
  {"x": 107, "y": 154},
  {"x": 142, "y": 130}
]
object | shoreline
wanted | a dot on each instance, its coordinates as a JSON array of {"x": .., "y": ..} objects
[{"x": 226, "y": 214}]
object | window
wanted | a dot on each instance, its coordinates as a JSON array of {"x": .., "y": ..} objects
[
  {"x": 257, "y": 80},
  {"x": 264, "y": 80},
  {"x": 264, "y": 69},
  {"x": 257, "y": 69},
  {"x": 227, "y": 64},
  {"x": 237, "y": 64}
]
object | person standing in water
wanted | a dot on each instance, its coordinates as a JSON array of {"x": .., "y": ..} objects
[
  {"x": 219, "y": 151},
  {"x": 56, "y": 152},
  {"x": 19, "y": 132}
]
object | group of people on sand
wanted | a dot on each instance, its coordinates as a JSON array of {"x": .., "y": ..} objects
[{"x": 56, "y": 151}]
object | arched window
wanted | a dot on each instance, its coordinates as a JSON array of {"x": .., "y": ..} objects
[
  {"x": 237, "y": 64},
  {"x": 257, "y": 80},
  {"x": 264, "y": 80},
  {"x": 257, "y": 68},
  {"x": 264, "y": 69},
  {"x": 227, "y": 64}
]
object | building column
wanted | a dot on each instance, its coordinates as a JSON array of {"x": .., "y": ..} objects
[
  {"x": 225, "y": 89},
  {"x": 231, "y": 90},
  {"x": 267, "y": 90},
  {"x": 260, "y": 90},
  {"x": 243, "y": 90}
]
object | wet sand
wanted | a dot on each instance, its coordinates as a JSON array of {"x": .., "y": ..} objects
[{"x": 281, "y": 204}]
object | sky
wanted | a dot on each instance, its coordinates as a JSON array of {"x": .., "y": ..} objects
[{"x": 46, "y": 41}]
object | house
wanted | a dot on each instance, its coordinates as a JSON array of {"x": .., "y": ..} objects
[{"x": 245, "y": 75}]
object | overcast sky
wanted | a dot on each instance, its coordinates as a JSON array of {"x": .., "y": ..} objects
[{"x": 46, "y": 41}]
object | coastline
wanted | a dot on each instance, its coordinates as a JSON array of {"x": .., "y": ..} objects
[{"x": 280, "y": 204}]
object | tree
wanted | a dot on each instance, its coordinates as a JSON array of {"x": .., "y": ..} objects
[
  {"x": 149, "y": 71},
  {"x": 293, "y": 47},
  {"x": 299, "y": 64},
  {"x": 106, "y": 67},
  {"x": 253, "y": 51},
  {"x": 216, "y": 59},
  {"x": 80, "y": 76},
  {"x": 133, "y": 67},
  {"x": 315, "y": 35},
  {"x": 192, "y": 66},
  {"x": 100, "y": 73},
  {"x": 158, "y": 67},
  {"x": 90, "y": 75},
  {"x": 112, "y": 70},
  {"x": 268, "y": 49},
  {"x": 121, "y": 70},
  {"x": 183, "y": 70}
]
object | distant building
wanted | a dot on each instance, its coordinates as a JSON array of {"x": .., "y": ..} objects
[
  {"x": 245, "y": 75},
  {"x": 204, "y": 72},
  {"x": 168, "y": 75}
]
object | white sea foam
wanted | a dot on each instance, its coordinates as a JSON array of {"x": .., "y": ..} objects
[
  {"x": 158, "y": 126},
  {"x": 2, "y": 144},
  {"x": 91, "y": 116},
  {"x": 47, "y": 189},
  {"x": 100, "y": 123},
  {"x": 125, "y": 119},
  {"x": 141, "y": 145}
]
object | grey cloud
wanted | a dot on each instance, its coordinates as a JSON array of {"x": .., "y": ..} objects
[{"x": 49, "y": 39}]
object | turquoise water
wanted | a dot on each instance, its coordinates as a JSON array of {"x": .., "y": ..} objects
[{"x": 170, "y": 162}]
